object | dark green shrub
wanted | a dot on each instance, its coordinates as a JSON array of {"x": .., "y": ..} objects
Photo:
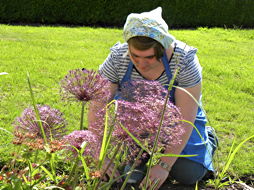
[{"x": 177, "y": 13}]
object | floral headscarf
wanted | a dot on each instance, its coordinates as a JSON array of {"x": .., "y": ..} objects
[{"x": 148, "y": 24}]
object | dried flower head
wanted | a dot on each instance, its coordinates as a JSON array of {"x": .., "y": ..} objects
[
  {"x": 96, "y": 174},
  {"x": 84, "y": 85},
  {"x": 77, "y": 138},
  {"x": 52, "y": 121}
]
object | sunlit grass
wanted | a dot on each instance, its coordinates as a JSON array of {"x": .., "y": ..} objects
[{"x": 48, "y": 53}]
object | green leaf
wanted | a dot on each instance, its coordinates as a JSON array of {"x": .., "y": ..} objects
[
  {"x": 231, "y": 157},
  {"x": 6, "y": 131},
  {"x": 86, "y": 168},
  {"x": 48, "y": 173},
  {"x": 106, "y": 137},
  {"x": 174, "y": 155}
]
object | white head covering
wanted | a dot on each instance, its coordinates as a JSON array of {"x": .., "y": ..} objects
[{"x": 148, "y": 24}]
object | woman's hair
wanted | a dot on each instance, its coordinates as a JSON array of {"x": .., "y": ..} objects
[{"x": 144, "y": 43}]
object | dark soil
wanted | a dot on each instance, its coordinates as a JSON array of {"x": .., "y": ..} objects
[
  {"x": 171, "y": 186},
  {"x": 247, "y": 184}
]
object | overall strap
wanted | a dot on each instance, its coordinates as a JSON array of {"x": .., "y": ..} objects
[
  {"x": 127, "y": 75},
  {"x": 169, "y": 76},
  {"x": 166, "y": 66}
]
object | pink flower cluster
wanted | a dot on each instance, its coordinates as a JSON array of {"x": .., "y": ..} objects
[
  {"x": 84, "y": 85},
  {"x": 52, "y": 121},
  {"x": 76, "y": 138},
  {"x": 139, "y": 109},
  {"x": 140, "y": 112}
]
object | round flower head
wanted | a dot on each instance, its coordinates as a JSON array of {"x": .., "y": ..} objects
[
  {"x": 53, "y": 123},
  {"x": 142, "y": 119},
  {"x": 148, "y": 24},
  {"x": 77, "y": 138},
  {"x": 140, "y": 110},
  {"x": 85, "y": 85}
]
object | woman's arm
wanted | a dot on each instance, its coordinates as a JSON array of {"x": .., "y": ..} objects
[
  {"x": 94, "y": 105},
  {"x": 188, "y": 108}
]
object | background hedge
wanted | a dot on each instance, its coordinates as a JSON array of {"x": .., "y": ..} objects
[{"x": 177, "y": 13}]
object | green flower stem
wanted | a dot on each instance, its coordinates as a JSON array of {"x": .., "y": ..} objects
[
  {"x": 36, "y": 155},
  {"x": 105, "y": 171},
  {"x": 86, "y": 168},
  {"x": 82, "y": 115},
  {"x": 53, "y": 166},
  {"x": 116, "y": 166},
  {"x": 75, "y": 181},
  {"x": 131, "y": 170},
  {"x": 73, "y": 170},
  {"x": 37, "y": 114},
  {"x": 160, "y": 125},
  {"x": 156, "y": 141}
]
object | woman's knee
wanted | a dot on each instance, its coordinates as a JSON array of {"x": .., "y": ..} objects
[{"x": 187, "y": 172}]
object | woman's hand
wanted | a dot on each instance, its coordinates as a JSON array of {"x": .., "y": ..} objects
[{"x": 158, "y": 175}]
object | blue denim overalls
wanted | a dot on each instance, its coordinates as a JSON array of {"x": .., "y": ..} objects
[{"x": 195, "y": 145}]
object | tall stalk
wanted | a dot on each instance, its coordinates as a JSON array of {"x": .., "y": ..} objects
[
  {"x": 131, "y": 170},
  {"x": 106, "y": 136},
  {"x": 82, "y": 115},
  {"x": 74, "y": 166},
  {"x": 110, "y": 163},
  {"x": 160, "y": 125},
  {"x": 37, "y": 114}
]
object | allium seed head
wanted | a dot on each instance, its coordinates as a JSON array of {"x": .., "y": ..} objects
[
  {"x": 76, "y": 138},
  {"x": 52, "y": 121},
  {"x": 140, "y": 111},
  {"x": 85, "y": 85},
  {"x": 143, "y": 120}
]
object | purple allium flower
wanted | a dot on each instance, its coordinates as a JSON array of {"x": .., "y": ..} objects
[
  {"x": 141, "y": 115},
  {"x": 85, "y": 85},
  {"x": 76, "y": 138},
  {"x": 53, "y": 123},
  {"x": 139, "y": 89},
  {"x": 143, "y": 120}
]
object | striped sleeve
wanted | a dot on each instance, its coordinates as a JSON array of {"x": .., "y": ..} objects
[
  {"x": 108, "y": 68},
  {"x": 190, "y": 72}
]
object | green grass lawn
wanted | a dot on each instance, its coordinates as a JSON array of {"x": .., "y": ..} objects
[{"x": 48, "y": 53}]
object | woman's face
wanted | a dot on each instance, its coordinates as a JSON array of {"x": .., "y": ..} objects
[{"x": 144, "y": 60}]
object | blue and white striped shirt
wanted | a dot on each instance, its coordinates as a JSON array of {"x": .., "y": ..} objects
[{"x": 184, "y": 56}]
